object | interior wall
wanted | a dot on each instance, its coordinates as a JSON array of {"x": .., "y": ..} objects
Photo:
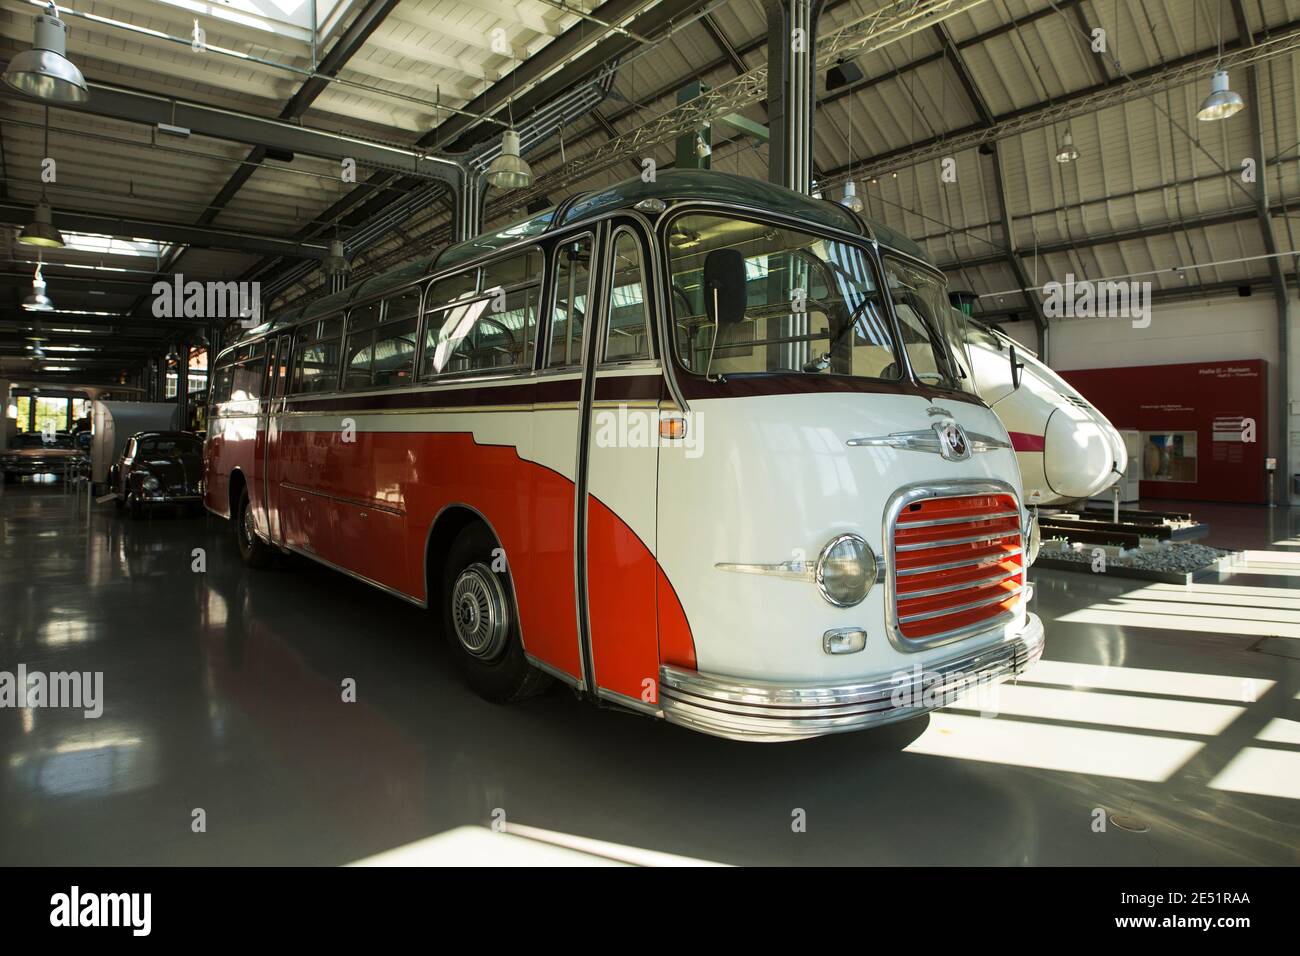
[{"x": 1225, "y": 328}]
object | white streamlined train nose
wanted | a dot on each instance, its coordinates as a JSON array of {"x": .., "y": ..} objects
[{"x": 1078, "y": 457}]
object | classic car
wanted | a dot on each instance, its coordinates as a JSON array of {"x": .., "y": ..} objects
[
  {"x": 158, "y": 468},
  {"x": 40, "y": 453}
]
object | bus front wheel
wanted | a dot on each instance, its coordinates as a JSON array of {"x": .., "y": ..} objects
[
  {"x": 479, "y": 620},
  {"x": 254, "y": 552}
]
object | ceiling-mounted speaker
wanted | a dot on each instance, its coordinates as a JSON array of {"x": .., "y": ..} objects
[
  {"x": 279, "y": 155},
  {"x": 845, "y": 72}
]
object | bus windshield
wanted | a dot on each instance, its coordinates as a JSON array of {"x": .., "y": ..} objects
[
  {"x": 813, "y": 304},
  {"x": 933, "y": 332}
]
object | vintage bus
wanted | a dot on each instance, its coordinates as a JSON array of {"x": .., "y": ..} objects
[{"x": 703, "y": 447}]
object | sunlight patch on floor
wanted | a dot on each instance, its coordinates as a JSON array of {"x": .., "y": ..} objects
[
  {"x": 1113, "y": 710},
  {"x": 1019, "y": 743},
  {"x": 1165, "y": 616},
  {"x": 1281, "y": 731},
  {"x": 1143, "y": 680},
  {"x": 1263, "y": 771}
]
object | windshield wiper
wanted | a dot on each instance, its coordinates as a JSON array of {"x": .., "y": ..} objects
[{"x": 822, "y": 363}]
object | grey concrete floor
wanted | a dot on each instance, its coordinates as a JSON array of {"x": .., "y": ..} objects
[{"x": 1176, "y": 708}]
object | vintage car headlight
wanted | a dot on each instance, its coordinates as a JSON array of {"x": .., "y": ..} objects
[
  {"x": 1033, "y": 538},
  {"x": 151, "y": 483},
  {"x": 845, "y": 570}
]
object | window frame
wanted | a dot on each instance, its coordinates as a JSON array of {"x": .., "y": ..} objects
[
  {"x": 645, "y": 254},
  {"x": 422, "y": 374},
  {"x": 306, "y": 335},
  {"x": 864, "y": 244},
  {"x": 589, "y": 230}
]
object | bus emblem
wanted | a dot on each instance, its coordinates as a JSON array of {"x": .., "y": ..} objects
[{"x": 953, "y": 444}]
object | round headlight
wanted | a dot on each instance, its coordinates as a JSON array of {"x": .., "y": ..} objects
[
  {"x": 1033, "y": 539},
  {"x": 846, "y": 569},
  {"x": 151, "y": 484}
]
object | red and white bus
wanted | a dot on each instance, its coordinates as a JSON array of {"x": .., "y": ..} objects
[{"x": 703, "y": 447}]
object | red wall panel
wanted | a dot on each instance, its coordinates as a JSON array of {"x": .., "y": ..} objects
[{"x": 1191, "y": 397}]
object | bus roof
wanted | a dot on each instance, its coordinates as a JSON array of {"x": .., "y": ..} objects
[{"x": 669, "y": 185}]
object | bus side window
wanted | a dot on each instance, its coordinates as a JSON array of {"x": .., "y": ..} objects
[
  {"x": 358, "y": 355},
  {"x": 221, "y": 383},
  {"x": 628, "y": 336},
  {"x": 393, "y": 355},
  {"x": 316, "y": 363},
  {"x": 572, "y": 293},
  {"x": 492, "y": 331},
  {"x": 247, "y": 382}
]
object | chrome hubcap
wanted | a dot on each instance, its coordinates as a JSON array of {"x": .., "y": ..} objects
[
  {"x": 246, "y": 526},
  {"x": 479, "y": 612}
]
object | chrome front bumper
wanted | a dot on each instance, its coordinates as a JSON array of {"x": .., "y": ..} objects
[{"x": 770, "y": 711}]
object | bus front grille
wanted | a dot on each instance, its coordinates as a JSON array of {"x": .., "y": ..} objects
[{"x": 958, "y": 566}]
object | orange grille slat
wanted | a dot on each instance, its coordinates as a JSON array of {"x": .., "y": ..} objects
[{"x": 966, "y": 548}]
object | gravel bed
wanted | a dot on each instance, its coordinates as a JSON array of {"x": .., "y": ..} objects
[{"x": 1179, "y": 556}]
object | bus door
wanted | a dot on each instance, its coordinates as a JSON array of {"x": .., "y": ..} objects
[
  {"x": 269, "y": 428},
  {"x": 623, "y": 387}
]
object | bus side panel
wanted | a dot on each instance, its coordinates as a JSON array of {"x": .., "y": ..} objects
[
  {"x": 233, "y": 441},
  {"x": 364, "y": 477},
  {"x": 622, "y": 573},
  {"x": 528, "y": 505},
  {"x": 216, "y": 468}
]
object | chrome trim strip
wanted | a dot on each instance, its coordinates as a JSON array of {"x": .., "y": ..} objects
[
  {"x": 908, "y": 495},
  {"x": 795, "y": 570},
  {"x": 958, "y": 608},
  {"x": 939, "y": 521},
  {"x": 352, "y": 574},
  {"x": 792, "y": 570},
  {"x": 926, "y": 440},
  {"x": 950, "y": 565},
  {"x": 632, "y": 703},
  {"x": 758, "y": 710},
  {"x": 965, "y": 585},
  {"x": 554, "y": 671},
  {"x": 947, "y": 542}
]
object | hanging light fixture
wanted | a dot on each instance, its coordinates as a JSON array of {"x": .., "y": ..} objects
[
  {"x": 38, "y": 301},
  {"x": 1222, "y": 102},
  {"x": 41, "y": 231},
  {"x": 45, "y": 71},
  {"x": 336, "y": 263},
  {"x": 509, "y": 170},
  {"x": 851, "y": 199},
  {"x": 1067, "y": 153}
]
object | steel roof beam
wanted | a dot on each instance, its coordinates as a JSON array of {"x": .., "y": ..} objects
[{"x": 21, "y": 214}]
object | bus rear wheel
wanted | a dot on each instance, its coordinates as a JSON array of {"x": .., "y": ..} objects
[
  {"x": 254, "y": 552},
  {"x": 479, "y": 621}
]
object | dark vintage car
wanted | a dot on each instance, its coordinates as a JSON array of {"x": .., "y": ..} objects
[
  {"x": 158, "y": 468},
  {"x": 37, "y": 453}
]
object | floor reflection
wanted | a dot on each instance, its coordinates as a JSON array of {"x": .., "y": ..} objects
[{"x": 224, "y": 692}]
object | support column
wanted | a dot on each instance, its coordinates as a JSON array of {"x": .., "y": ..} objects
[
  {"x": 1013, "y": 256},
  {"x": 1282, "y": 432},
  {"x": 182, "y": 384},
  {"x": 791, "y": 85}
]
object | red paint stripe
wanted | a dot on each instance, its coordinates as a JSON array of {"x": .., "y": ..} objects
[{"x": 1024, "y": 441}]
